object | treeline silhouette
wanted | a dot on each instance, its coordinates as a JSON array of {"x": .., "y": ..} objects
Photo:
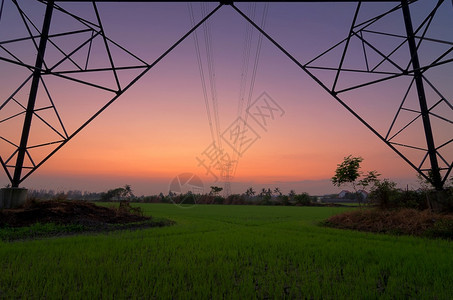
[
  {"x": 250, "y": 197},
  {"x": 44, "y": 194}
]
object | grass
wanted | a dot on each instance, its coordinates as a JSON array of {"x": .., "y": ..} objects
[
  {"x": 38, "y": 230},
  {"x": 229, "y": 252},
  {"x": 46, "y": 230}
]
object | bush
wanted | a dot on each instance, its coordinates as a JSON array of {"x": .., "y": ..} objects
[
  {"x": 284, "y": 200},
  {"x": 235, "y": 199},
  {"x": 383, "y": 194},
  {"x": 441, "y": 229},
  {"x": 302, "y": 199},
  {"x": 60, "y": 197},
  {"x": 265, "y": 200},
  {"x": 396, "y": 221},
  {"x": 218, "y": 200},
  {"x": 125, "y": 207},
  {"x": 411, "y": 199},
  {"x": 442, "y": 200}
]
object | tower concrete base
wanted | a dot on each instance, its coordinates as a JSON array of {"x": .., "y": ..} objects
[{"x": 12, "y": 197}]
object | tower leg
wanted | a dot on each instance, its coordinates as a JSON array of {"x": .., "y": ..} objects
[
  {"x": 32, "y": 97},
  {"x": 435, "y": 171}
]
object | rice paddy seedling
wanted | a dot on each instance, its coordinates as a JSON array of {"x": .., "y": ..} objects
[{"x": 229, "y": 252}]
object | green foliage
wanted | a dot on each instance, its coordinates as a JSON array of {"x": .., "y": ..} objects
[
  {"x": 442, "y": 229},
  {"x": 410, "y": 199},
  {"x": 284, "y": 200},
  {"x": 121, "y": 193},
  {"x": 302, "y": 199},
  {"x": 218, "y": 200},
  {"x": 235, "y": 199},
  {"x": 125, "y": 207},
  {"x": 444, "y": 199},
  {"x": 347, "y": 171},
  {"x": 370, "y": 179},
  {"x": 265, "y": 196},
  {"x": 188, "y": 198},
  {"x": 383, "y": 193},
  {"x": 386, "y": 195}
]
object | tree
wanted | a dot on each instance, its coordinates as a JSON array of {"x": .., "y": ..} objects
[
  {"x": 269, "y": 193},
  {"x": 111, "y": 194},
  {"x": 277, "y": 191},
  {"x": 265, "y": 195},
  {"x": 127, "y": 192},
  {"x": 120, "y": 193},
  {"x": 215, "y": 190},
  {"x": 250, "y": 192},
  {"x": 371, "y": 178},
  {"x": 302, "y": 199},
  {"x": 383, "y": 193},
  {"x": 292, "y": 194},
  {"x": 348, "y": 172}
]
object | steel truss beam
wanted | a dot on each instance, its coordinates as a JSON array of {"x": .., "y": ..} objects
[
  {"x": 226, "y": 2},
  {"x": 41, "y": 70}
]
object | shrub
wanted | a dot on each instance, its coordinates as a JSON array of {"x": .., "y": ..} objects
[
  {"x": 235, "y": 199},
  {"x": 441, "y": 229},
  {"x": 284, "y": 200},
  {"x": 442, "y": 200},
  {"x": 411, "y": 199},
  {"x": 125, "y": 207},
  {"x": 302, "y": 199},
  {"x": 60, "y": 197},
  {"x": 218, "y": 200},
  {"x": 396, "y": 221},
  {"x": 383, "y": 193}
]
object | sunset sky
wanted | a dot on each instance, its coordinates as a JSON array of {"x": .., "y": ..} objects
[{"x": 158, "y": 128}]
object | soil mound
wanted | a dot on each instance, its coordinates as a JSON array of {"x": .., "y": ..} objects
[
  {"x": 69, "y": 212},
  {"x": 402, "y": 221}
]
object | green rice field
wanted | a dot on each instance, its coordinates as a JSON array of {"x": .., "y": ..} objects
[{"x": 229, "y": 252}]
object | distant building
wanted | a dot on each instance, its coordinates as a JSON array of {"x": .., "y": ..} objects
[
  {"x": 343, "y": 194},
  {"x": 363, "y": 194}
]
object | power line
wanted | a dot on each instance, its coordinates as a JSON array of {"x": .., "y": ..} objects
[
  {"x": 257, "y": 57},
  {"x": 201, "y": 72},
  {"x": 251, "y": 10},
  {"x": 246, "y": 58},
  {"x": 254, "y": 72},
  {"x": 211, "y": 110},
  {"x": 211, "y": 75}
]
